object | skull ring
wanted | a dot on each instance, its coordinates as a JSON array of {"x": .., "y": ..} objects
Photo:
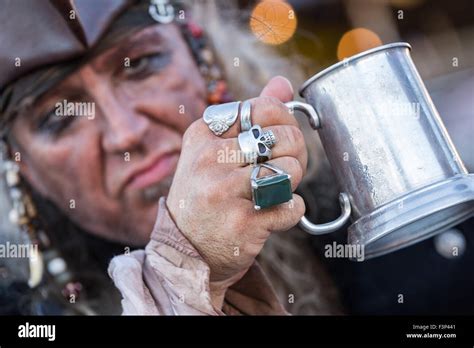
[{"x": 256, "y": 144}]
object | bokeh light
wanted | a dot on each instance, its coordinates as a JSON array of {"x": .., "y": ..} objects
[
  {"x": 356, "y": 41},
  {"x": 273, "y": 21}
]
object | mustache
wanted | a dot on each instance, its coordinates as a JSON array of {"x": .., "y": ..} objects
[{"x": 152, "y": 193}]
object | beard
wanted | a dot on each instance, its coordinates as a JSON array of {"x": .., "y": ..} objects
[
  {"x": 152, "y": 193},
  {"x": 135, "y": 222}
]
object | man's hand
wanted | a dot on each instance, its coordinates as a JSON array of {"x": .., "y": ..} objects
[{"x": 211, "y": 202}]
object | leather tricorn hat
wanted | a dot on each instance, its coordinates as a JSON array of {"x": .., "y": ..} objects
[{"x": 35, "y": 33}]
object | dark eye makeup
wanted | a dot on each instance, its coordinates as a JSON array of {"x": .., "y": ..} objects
[
  {"x": 144, "y": 66},
  {"x": 137, "y": 69},
  {"x": 53, "y": 124}
]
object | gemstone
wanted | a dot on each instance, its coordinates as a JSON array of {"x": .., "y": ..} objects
[{"x": 272, "y": 190}]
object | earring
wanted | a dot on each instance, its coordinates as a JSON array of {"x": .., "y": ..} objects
[
  {"x": 217, "y": 88},
  {"x": 22, "y": 213}
]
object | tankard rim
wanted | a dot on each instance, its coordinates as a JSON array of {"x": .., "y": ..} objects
[{"x": 349, "y": 60}]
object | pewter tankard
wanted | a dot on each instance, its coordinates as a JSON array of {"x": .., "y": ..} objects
[{"x": 401, "y": 178}]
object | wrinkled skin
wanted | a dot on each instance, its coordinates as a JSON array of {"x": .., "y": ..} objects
[
  {"x": 136, "y": 111},
  {"x": 139, "y": 122},
  {"x": 219, "y": 196}
]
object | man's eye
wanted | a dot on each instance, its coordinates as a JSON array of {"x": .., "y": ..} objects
[
  {"x": 52, "y": 123},
  {"x": 137, "y": 65},
  {"x": 143, "y": 66}
]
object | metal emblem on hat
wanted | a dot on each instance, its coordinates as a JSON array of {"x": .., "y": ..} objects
[{"x": 161, "y": 11}]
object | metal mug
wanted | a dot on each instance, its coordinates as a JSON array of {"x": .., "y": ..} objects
[{"x": 401, "y": 176}]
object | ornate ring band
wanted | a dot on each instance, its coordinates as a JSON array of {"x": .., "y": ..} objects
[{"x": 220, "y": 118}]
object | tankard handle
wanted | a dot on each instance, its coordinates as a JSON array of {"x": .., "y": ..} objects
[{"x": 305, "y": 224}]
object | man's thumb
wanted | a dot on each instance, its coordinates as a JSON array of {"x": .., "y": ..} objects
[{"x": 278, "y": 87}]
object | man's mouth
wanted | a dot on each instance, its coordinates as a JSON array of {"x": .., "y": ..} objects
[{"x": 153, "y": 173}]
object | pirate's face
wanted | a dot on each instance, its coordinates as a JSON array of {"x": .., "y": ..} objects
[{"x": 103, "y": 145}]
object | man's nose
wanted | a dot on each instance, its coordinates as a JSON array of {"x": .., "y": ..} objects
[{"x": 123, "y": 128}]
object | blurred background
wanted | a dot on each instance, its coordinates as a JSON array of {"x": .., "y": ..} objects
[{"x": 440, "y": 32}]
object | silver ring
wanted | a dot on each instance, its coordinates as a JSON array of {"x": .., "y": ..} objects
[
  {"x": 256, "y": 144},
  {"x": 246, "y": 116},
  {"x": 220, "y": 118},
  {"x": 270, "y": 190}
]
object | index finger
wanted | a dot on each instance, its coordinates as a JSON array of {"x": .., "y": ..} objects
[{"x": 265, "y": 111}]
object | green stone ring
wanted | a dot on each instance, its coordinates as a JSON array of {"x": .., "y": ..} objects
[{"x": 272, "y": 189}]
